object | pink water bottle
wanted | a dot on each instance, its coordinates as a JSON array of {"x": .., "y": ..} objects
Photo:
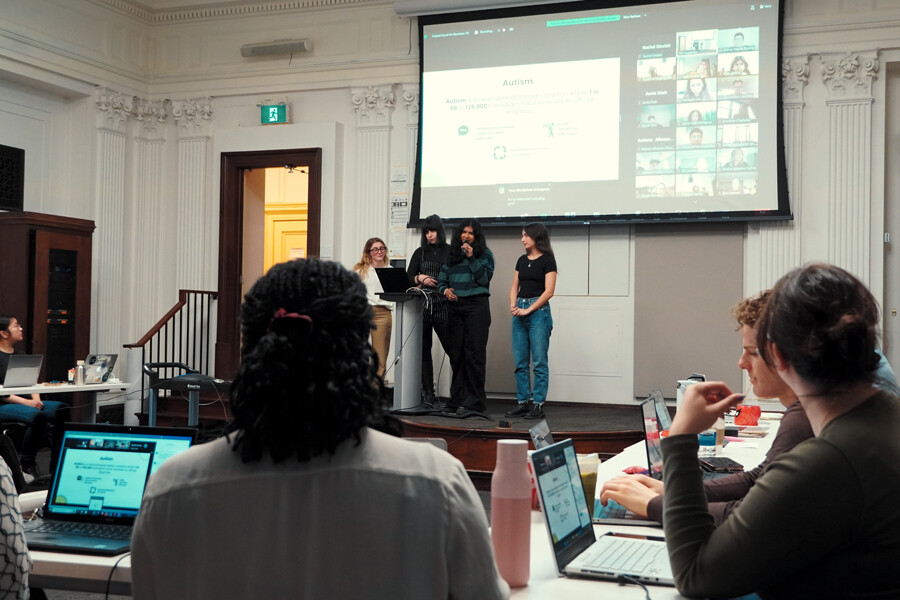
[{"x": 511, "y": 512}]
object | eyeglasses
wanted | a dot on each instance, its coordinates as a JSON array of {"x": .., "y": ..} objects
[{"x": 378, "y": 249}]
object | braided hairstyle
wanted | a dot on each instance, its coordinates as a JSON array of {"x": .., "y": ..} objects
[
  {"x": 823, "y": 320},
  {"x": 307, "y": 380}
]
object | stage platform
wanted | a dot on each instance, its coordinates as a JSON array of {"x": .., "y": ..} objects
[{"x": 603, "y": 428}]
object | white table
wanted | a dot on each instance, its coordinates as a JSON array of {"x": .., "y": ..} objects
[
  {"x": 546, "y": 584},
  {"x": 90, "y": 392}
]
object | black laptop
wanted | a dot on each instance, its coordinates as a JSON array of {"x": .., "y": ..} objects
[
  {"x": 393, "y": 281},
  {"x": 98, "y": 485}
]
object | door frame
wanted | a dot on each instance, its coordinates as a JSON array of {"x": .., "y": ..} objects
[{"x": 231, "y": 223}]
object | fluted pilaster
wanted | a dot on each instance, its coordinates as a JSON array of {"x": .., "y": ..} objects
[
  {"x": 373, "y": 107},
  {"x": 113, "y": 111},
  {"x": 195, "y": 268},
  {"x": 848, "y": 79}
]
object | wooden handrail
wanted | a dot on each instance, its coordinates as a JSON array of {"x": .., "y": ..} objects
[{"x": 182, "y": 300}]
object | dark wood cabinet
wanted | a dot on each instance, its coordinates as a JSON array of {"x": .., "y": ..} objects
[{"x": 45, "y": 282}]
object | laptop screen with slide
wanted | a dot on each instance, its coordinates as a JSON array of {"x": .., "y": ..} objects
[
  {"x": 98, "y": 485},
  {"x": 576, "y": 549}
]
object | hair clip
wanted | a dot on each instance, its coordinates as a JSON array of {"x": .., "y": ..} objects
[{"x": 303, "y": 322}]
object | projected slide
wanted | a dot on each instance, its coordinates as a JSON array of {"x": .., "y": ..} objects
[
  {"x": 515, "y": 121},
  {"x": 660, "y": 111}
]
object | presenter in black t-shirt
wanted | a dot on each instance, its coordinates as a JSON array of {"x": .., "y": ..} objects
[{"x": 534, "y": 283}]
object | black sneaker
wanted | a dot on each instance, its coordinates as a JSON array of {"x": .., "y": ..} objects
[
  {"x": 449, "y": 409},
  {"x": 519, "y": 411},
  {"x": 536, "y": 412}
]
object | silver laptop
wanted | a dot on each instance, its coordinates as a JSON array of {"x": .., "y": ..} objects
[
  {"x": 98, "y": 485},
  {"x": 23, "y": 370},
  {"x": 98, "y": 367},
  {"x": 616, "y": 514},
  {"x": 577, "y": 551}
]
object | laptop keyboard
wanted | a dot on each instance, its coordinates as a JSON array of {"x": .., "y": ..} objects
[
  {"x": 104, "y": 531},
  {"x": 625, "y": 555}
]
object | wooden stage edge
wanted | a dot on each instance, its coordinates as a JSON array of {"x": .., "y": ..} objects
[{"x": 477, "y": 448}]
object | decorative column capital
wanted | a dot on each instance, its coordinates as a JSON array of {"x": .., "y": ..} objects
[
  {"x": 152, "y": 116},
  {"x": 113, "y": 109},
  {"x": 193, "y": 117},
  {"x": 794, "y": 78},
  {"x": 411, "y": 100},
  {"x": 849, "y": 76},
  {"x": 373, "y": 105}
]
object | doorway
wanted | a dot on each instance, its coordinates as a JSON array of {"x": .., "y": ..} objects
[{"x": 234, "y": 167}]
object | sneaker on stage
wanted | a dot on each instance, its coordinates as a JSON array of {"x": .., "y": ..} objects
[{"x": 521, "y": 410}]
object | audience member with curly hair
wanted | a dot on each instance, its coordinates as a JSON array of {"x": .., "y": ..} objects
[
  {"x": 824, "y": 521},
  {"x": 303, "y": 498}
]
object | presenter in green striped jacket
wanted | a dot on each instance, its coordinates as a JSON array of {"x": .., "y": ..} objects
[{"x": 465, "y": 281}]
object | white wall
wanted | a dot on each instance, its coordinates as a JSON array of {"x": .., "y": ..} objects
[{"x": 58, "y": 57}]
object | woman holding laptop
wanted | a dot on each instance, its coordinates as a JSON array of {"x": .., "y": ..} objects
[{"x": 824, "y": 521}]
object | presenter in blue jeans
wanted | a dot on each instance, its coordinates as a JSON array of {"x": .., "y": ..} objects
[{"x": 534, "y": 283}]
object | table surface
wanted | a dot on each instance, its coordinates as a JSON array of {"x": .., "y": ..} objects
[
  {"x": 57, "y": 388},
  {"x": 56, "y": 570},
  {"x": 546, "y": 584}
]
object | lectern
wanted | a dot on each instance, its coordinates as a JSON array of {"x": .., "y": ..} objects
[{"x": 408, "y": 363}]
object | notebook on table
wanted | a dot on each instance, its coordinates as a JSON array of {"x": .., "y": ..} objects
[
  {"x": 98, "y": 367},
  {"x": 576, "y": 549},
  {"x": 98, "y": 484},
  {"x": 23, "y": 370}
]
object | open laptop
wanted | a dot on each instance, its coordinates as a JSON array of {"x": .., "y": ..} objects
[
  {"x": 662, "y": 411},
  {"x": 98, "y": 484},
  {"x": 540, "y": 435},
  {"x": 23, "y": 370},
  {"x": 616, "y": 514},
  {"x": 393, "y": 281},
  {"x": 98, "y": 367},
  {"x": 577, "y": 551}
]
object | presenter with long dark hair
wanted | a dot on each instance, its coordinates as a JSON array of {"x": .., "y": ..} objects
[
  {"x": 424, "y": 269},
  {"x": 534, "y": 283},
  {"x": 465, "y": 281},
  {"x": 324, "y": 505}
]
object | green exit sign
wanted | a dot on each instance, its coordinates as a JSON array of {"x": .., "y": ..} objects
[{"x": 273, "y": 113}]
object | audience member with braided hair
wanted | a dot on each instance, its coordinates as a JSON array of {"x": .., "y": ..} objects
[
  {"x": 303, "y": 498},
  {"x": 824, "y": 521}
]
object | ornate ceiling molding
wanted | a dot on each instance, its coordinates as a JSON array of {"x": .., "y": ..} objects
[
  {"x": 849, "y": 76},
  {"x": 373, "y": 105},
  {"x": 223, "y": 9},
  {"x": 794, "y": 77}
]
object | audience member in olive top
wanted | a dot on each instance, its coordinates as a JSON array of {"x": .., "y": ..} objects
[
  {"x": 643, "y": 495},
  {"x": 465, "y": 281},
  {"x": 824, "y": 521},
  {"x": 534, "y": 282},
  {"x": 303, "y": 498},
  {"x": 424, "y": 269}
]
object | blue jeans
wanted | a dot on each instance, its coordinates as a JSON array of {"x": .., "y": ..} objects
[
  {"x": 531, "y": 343},
  {"x": 54, "y": 413}
]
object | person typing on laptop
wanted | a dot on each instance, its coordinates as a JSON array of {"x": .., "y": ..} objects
[
  {"x": 824, "y": 521},
  {"x": 643, "y": 495},
  {"x": 36, "y": 414},
  {"x": 302, "y": 498}
]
